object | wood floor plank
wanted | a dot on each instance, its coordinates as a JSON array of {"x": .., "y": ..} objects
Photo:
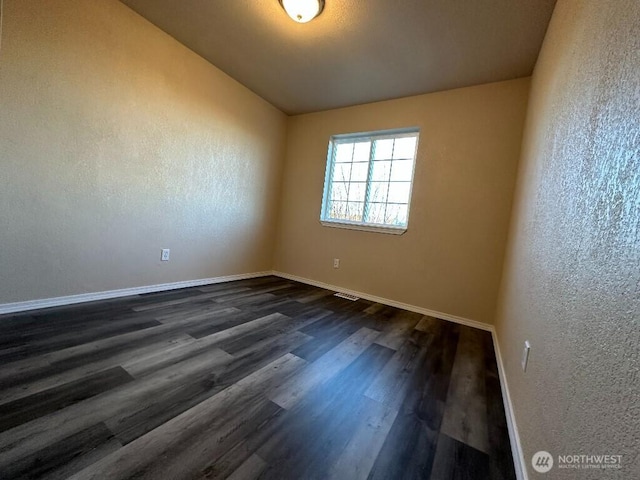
[
  {"x": 249, "y": 470},
  {"x": 247, "y": 301},
  {"x": 194, "y": 456},
  {"x": 191, "y": 299},
  {"x": 323, "y": 369},
  {"x": 105, "y": 348},
  {"x": 374, "y": 308},
  {"x": 399, "y": 327},
  {"x": 427, "y": 395},
  {"x": 222, "y": 287},
  {"x": 465, "y": 415},
  {"x": 48, "y": 378},
  {"x": 233, "y": 458},
  {"x": 110, "y": 329},
  {"x": 429, "y": 324},
  {"x": 22, "y": 370},
  {"x": 42, "y": 403},
  {"x": 315, "y": 295},
  {"x": 501, "y": 465},
  {"x": 341, "y": 305},
  {"x": 292, "y": 308},
  {"x": 329, "y": 325},
  {"x": 456, "y": 460},
  {"x": 251, "y": 282},
  {"x": 21, "y": 322},
  {"x": 142, "y": 364},
  {"x": 333, "y": 329},
  {"x": 312, "y": 436},
  {"x": 253, "y": 292},
  {"x": 408, "y": 450},
  {"x": 317, "y": 347},
  {"x": 246, "y": 327},
  {"x": 250, "y": 311},
  {"x": 360, "y": 453},
  {"x": 326, "y": 335},
  {"x": 277, "y": 325},
  {"x": 61, "y": 320},
  {"x": 62, "y": 459},
  {"x": 162, "y": 295},
  {"x": 224, "y": 322},
  {"x": 192, "y": 312},
  {"x": 391, "y": 385},
  {"x": 410, "y": 446}
]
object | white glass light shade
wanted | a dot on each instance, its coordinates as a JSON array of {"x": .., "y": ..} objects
[{"x": 302, "y": 11}]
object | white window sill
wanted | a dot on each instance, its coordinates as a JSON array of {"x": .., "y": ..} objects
[{"x": 365, "y": 227}]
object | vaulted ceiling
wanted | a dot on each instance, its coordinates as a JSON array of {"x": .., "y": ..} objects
[{"x": 357, "y": 51}]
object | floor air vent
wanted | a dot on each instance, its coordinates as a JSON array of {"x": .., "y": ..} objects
[{"x": 353, "y": 298}]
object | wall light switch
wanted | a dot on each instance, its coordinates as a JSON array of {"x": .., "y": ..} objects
[
  {"x": 525, "y": 355},
  {"x": 164, "y": 256},
  {"x": 336, "y": 263}
]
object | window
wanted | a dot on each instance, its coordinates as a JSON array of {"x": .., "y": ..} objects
[{"x": 368, "y": 181}]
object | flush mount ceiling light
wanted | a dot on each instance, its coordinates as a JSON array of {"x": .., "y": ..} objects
[{"x": 302, "y": 11}]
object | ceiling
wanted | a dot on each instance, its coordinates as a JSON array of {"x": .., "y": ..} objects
[{"x": 357, "y": 51}]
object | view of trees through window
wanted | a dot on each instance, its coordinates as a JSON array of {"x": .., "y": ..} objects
[{"x": 370, "y": 179}]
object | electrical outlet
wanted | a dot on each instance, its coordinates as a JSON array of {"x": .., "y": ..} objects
[
  {"x": 525, "y": 355},
  {"x": 164, "y": 256},
  {"x": 336, "y": 263}
]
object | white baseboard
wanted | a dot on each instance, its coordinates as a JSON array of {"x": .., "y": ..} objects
[
  {"x": 514, "y": 436},
  {"x": 386, "y": 301},
  {"x": 124, "y": 292}
]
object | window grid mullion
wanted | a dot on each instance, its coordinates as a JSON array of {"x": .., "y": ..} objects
[
  {"x": 367, "y": 193},
  {"x": 386, "y": 202},
  {"x": 353, "y": 151}
]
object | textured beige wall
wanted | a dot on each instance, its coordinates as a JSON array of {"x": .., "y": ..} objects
[
  {"x": 450, "y": 259},
  {"x": 572, "y": 271},
  {"x": 116, "y": 141}
]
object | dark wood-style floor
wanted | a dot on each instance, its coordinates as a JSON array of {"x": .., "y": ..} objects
[{"x": 261, "y": 378}]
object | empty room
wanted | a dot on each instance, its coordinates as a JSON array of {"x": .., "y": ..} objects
[{"x": 320, "y": 239}]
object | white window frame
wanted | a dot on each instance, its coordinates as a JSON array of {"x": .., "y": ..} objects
[{"x": 355, "y": 137}]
